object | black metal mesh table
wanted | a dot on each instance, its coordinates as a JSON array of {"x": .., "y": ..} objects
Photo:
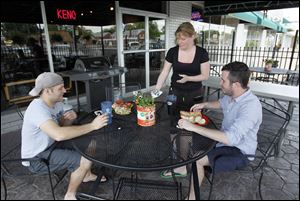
[{"x": 126, "y": 145}]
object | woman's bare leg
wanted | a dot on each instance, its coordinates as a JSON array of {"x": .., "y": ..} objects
[{"x": 200, "y": 169}]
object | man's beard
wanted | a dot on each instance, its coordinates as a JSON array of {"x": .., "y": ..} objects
[{"x": 227, "y": 92}]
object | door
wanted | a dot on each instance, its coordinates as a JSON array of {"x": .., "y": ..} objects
[{"x": 142, "y": 45}]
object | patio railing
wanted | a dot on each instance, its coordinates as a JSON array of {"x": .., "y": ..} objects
[
  {"x": 14, "y": 59},
  {"x": 254, "y": 57},
  {"x": 287, "y": 58}
]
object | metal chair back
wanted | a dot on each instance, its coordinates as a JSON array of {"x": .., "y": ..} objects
[{"x": 275, "y": 121}]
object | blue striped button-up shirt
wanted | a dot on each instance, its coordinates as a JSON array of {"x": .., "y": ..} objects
[{"x": 242, "y": 118}]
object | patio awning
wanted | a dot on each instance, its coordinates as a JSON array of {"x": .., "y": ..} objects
[
  {"x": 232, "y": 6},
  {"x": 259, "y": 19}
]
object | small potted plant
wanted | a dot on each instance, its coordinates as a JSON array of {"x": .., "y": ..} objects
[
  {"x": 269, "y": 63},
  {"x": 275, "y": 64},
  {"x": 145, "y": 107}
]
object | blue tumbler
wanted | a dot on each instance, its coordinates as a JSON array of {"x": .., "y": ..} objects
[{"x": 106, "y": 107}]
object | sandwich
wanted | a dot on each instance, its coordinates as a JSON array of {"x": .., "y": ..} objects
[{"x": 193, "y": 117}]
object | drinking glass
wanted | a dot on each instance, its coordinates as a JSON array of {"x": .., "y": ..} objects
[{"x": 106, "y": 107}]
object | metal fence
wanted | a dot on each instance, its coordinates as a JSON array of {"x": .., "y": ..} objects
[
  {"x": 254, "y": 57},
  {"x": 16, "y": 58},
  {"x": 288, "y": 58}
]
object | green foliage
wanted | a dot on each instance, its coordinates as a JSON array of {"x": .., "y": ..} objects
[
  {"x": 251, "y": 43},
  {"x": 56, "y": 38},
  {"x": 53, "y": 27},
  {"x": 84, "y": 33},
  {"x": 154, "y": 32},
  {"x": 19, "y": 39},
  {"x": 18, "y": 32},
  {"x": 110, "y": 30},
  {"x": 143, "y": 99},
  {"x": 271, "y": 61}
]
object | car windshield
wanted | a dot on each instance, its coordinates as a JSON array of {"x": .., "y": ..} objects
[{"x": 134, "y": 45}]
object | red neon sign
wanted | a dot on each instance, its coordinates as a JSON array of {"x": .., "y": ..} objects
[{"x": 66, "y": 14}]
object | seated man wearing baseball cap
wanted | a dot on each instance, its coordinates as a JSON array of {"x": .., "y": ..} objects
[{"x": 45, "y": 122}]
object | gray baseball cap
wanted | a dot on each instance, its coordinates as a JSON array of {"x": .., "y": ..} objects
[{"x": 45, "y": 80}]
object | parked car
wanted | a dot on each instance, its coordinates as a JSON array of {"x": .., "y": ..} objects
[{"x": 134, "y": 45}]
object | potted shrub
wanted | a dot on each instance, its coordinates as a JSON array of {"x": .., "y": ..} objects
[
  {"x": 275, "y": 63},
  {"x": 269, "y": 63},
  {"x": 145, "y": 109}
]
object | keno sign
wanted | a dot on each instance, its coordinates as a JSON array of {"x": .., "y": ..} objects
[{"x": 66, "y": 14}]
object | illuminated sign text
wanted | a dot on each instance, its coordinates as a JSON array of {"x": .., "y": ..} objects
[{"x": 66, "y": 14}]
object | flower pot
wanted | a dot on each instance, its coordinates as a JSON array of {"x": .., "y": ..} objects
[
  {"x": 145, "y": 115},
  {"x": 268, "y": 67}
]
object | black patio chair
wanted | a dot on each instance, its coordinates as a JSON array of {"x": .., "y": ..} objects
[
  {"x": 291, "y": 78},
  {"x": 11, "y": 164},
  {"x": 275, "y": 121},
  {"x": 11, "y": 167}
]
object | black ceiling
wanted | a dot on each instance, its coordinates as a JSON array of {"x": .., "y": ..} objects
[
  {"x": 30, "y": 12},
  {"x": 225, "y": 7}
]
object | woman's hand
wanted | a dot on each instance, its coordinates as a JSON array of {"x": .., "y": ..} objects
[{"x": 184, "y": 78}]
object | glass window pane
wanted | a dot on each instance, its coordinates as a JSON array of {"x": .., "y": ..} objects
[
  {"x": 134, "y": 32},
  {"x": 135, "y": 63},
  {"x": 156, "y": 65},
  {"x": 157, "y": 33}
]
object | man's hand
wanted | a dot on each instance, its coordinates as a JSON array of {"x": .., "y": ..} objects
[
  {"x": 99, "y": 122},
  {"x": 185, "y": 124},
  {"x": 198, "y": 107},
  {"x": 184, "y": 78},
  {"x": 70, "y": 115},
  {"x": 68, "y": 118}
]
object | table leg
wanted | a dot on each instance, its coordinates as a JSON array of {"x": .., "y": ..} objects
[
  {"x": 196, "y": 181},
  {"x": 77, "y": 96},
  {"x": 280, "y": 141},
  {"x": 206, "y": 91},
  {"x": 290, "y": 108}
]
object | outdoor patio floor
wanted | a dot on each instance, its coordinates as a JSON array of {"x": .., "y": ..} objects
[{"x": 281, "y": 182}]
